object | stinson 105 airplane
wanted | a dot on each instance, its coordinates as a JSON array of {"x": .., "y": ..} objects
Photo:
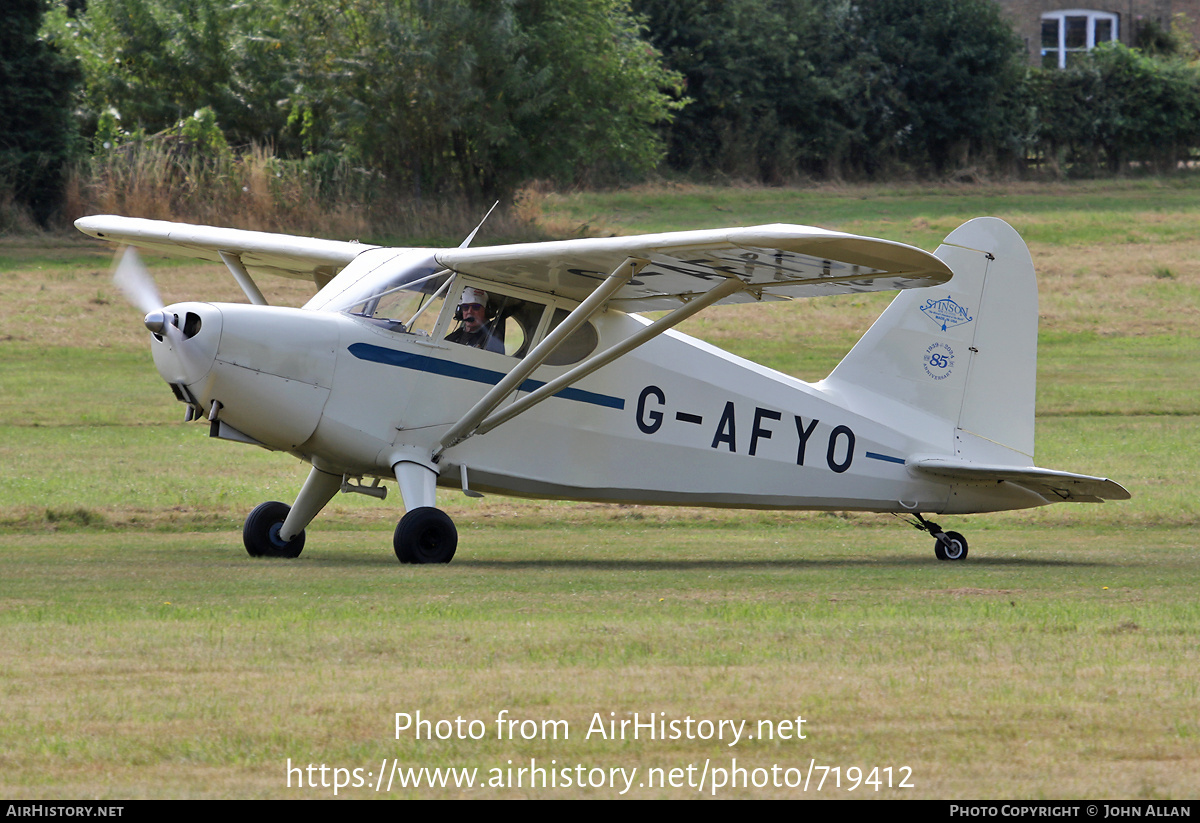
[{"x": 529, "y": 370}]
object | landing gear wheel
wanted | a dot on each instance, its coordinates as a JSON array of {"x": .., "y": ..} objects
[
  {"x": 425, "y": 535},
  {"x": 950, "y": 546},
  {"x": 946, "y": 545},
  {"x": 260, "y": 534}
]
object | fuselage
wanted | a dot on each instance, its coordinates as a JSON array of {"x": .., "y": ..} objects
[{"x": 676, "y": 421}]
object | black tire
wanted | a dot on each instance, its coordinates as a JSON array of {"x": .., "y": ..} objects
[
  {"x": 425, "y": 535},
  {"x": 954, "y": 548},
  {"x": 260, "y": 534}
]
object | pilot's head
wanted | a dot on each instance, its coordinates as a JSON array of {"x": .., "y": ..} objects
[{"x": 473, "y": 308}]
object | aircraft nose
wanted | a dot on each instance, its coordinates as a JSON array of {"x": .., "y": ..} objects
[
  {"x": 273, "y": 372},
  {"x": 185, "y": 341},
  {"x": 156, "y": 321}
]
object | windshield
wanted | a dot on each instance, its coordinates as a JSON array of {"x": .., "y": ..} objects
[
  {"x": 377, "y": 274},
  {"x": 407, "y": 308}
]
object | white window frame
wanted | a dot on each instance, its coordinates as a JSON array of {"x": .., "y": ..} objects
[{"x": 1092, "y": 18}]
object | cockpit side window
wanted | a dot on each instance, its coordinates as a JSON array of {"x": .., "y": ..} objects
[
  {"x": 412, "y": 301},
  {"x": 495, "y": 322},
  {"x": 520, "y": 319}
]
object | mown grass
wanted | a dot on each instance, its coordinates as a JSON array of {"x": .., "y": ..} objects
[
  {"x": 1035, "y": 671},
  {"x": 143, "y": 654}
]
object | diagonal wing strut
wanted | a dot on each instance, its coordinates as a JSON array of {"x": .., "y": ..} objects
[
  {"x": 466, "y": 425},
  {"x": 598, "y": 361}
]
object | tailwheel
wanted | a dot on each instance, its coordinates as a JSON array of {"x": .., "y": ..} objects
[
  {"x": 946, "y": 545},
  {"x": 260, "y": 534},
  {"x": 950, "y": 546},
  {"x": 425, "y": 535}
]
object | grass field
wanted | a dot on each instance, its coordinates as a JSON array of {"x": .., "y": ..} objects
[{"x": 143, "y": 654}]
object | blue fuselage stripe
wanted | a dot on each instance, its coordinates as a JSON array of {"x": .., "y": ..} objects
[
  {"x": 887, "y": 458},
  {"x": 448, "y": 368}
]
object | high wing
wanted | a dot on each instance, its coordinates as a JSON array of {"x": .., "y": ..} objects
[
  {"x": 1054, "y": 486},
  {"x": 304, "y": 258},
  {"x": 773, "y": 262},
  {"x": 683, "y": 272}
]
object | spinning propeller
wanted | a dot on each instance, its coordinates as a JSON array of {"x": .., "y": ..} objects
[{"x": 133, "y": 278}]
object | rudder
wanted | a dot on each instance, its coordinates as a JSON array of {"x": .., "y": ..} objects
[{"x": 964, "y": 352}]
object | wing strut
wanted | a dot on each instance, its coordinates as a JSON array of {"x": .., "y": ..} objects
[
  {"x": 703, "y": 301},
  {"x": 465, "y": 427},
  {"x": 243, "y": 278}
]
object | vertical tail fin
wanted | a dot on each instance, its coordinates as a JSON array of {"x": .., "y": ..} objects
[{"x": 964, "y": 352}]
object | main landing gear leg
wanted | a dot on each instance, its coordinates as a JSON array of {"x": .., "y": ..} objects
[
  {"x": 276, "y": 529},
  {"x": 425, "y": 534},
  {"x": 946, "y": 545}
]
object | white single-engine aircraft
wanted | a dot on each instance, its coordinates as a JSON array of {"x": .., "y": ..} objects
[{"x": 527, "y": 370}]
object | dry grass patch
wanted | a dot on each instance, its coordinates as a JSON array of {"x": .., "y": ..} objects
[{"x": 1131, "y": 290}]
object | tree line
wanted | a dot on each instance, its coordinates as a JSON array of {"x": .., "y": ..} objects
[{"x": 471, "y": 99}]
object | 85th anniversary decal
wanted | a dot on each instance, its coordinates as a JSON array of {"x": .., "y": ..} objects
[{"x": 939, "y": 361}]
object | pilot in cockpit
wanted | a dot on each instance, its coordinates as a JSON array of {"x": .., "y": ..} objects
[{"x": 472, "y": 313}]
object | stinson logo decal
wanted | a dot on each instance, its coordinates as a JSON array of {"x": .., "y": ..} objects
[{"x": 946, "y": 312}]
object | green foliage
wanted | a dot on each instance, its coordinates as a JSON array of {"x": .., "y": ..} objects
[
  {"x": 1155, "y": 40},
  {"x": 154, "y": 62},
  {"x": 950, "y": 65},
  {"x": 35, "y": 132},
  {"x": 203, "y": 133},
  {"x": 830, "y": 86},
  {"x": 461, "y": 97},
  {"x": 755, "y": 96},
  {"x": 471, "y": 99},
  {"x": 1116, "y": 106},
  {"x": 602, "y": 91},
  {"x": 474, "y": 98},
  {"x": 189, "y": 159}
]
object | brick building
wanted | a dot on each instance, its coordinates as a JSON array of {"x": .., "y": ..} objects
[{"x": 1055, "y": 29}]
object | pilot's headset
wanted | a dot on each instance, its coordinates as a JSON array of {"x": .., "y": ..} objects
[{"x": 473, "y": 295}]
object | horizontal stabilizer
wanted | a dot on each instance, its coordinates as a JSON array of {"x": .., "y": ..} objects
[{"x": 1055, "y": 486}]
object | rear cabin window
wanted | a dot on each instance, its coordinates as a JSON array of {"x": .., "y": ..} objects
[{"x": 577, "y": 346}]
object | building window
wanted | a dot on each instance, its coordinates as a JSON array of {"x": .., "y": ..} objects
[{"x": 1066, "y": 34}]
